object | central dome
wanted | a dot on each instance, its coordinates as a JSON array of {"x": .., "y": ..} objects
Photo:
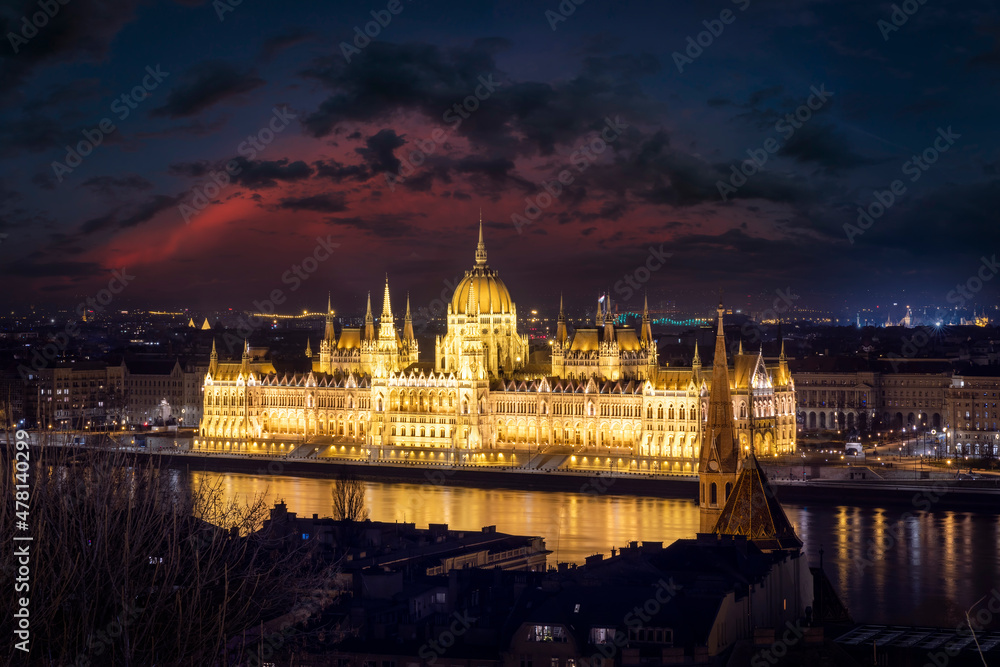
[{"x": 487, "y": 291}]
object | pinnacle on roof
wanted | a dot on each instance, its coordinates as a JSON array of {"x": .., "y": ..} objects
[
  {"x": 481, "y": 248},
  {"x": 753, "y": 511},
  {"x": 386, "y": 306},
  {"x": 719, "y": 443}
]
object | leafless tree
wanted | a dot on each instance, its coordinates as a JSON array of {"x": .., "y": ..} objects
[
  {"x": 133, "y": 565},
  {"x": 349, "y": 499}
]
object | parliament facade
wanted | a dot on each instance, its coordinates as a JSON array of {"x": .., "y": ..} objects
[{"x": 604, "y": 401}]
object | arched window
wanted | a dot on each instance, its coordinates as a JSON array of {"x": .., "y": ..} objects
[
  {"x": 659, "y": 411},
  {"x": 713, "y": 495},
  {"x": 729, "y": 489}
]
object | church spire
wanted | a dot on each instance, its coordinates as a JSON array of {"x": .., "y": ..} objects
[
  {"x": 328, "y": 332},
  {"x": 481, "y": 248},
  {"x": 408, "y": 322},
  {"x": 697, "y": 357},
  {"x": 719, "y": 460},
  {"x": 647, "y": 330},
  {"x": 213, "y": 360},
  {"x": 386, "y": 306},
  {"x": 309, "y": 351},
  {"x": 369, "y": 320},
  {"x": 561, "y": 334},
  {"x": 599, "y": 319}
]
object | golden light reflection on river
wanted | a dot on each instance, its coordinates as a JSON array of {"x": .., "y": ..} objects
[{"x": 922, "y": 569}]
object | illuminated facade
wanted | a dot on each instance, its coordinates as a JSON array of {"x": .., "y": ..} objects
[{"x": 605, "y": 402}]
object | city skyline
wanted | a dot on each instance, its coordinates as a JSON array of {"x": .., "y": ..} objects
[{"x": 218, "y": 169}]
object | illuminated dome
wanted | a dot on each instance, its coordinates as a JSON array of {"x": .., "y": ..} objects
[{"x": 488, "y": 291}]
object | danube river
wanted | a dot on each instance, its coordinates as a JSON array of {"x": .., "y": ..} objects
[{"x": 942, "y": 563}]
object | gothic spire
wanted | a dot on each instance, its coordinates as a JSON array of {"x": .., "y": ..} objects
[
  {"x": 561, "y": 334},
  {"x": 697, "y": 357},
  {"x": 647, "y": 329},
  {"x": 719, "y": 446},
  {"x": 369, "y": 320},
  {"x": 408, "y": 322},
  {"x": 309, "y": 351},
  {"x": 386, "y": 306},
  {"x": 328, "y": 332},
  {"x": 481, "y": 248}
]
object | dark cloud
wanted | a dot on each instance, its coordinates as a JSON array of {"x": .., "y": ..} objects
[
  {"x": 33, "y": 269},
  {"x": 337, "y": 172},
  {"x": 204, "y": 85},
  {"x": 381, "y": 225},
  {"x": 824, "y": 145},
  {"x": 78, "y": 31},
  {"x": 272, "y": 46},
  {"x": 109, "y": 186},
  {"x": 380, "y": 151},
  {"x": 190, "y": 169},
  {"x": 322, "y": 203},
  {"x": 127, "y": 217},
  {"x": 512, "y": 117},
  {"x": 259, "y": 174}
]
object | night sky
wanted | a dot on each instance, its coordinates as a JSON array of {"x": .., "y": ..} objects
[{"x": 335, "y": 121}]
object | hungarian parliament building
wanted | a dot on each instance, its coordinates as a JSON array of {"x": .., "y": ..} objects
[{"x": 602, "y": 397}]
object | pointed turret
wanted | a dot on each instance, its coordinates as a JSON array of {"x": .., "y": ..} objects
[
  {"x": 481, "y": 248},
  {"x": 213, "y": 360},
  {"x": 328, "y": 332},
  {"x": 609, "y": 323},
  {"x": 561, "y": 334},
  {"x": 599, "y": 318},
  {"x": 753, "y": 511},
  {"x": 386, "y": 306},
  {"x": 369, "y": 320},
  {"x": 740, "y": 351},
  {"x": 408, "y": 322},
  {"x": 309, "y": 350},
  {"x": 245, "y": 365},
  {"x": 647, "y": 330},
  {"x": 784, "y": 375},
  {"x": 720, "y": 456}
]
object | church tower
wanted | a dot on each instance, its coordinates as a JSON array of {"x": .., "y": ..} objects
[{"x": 719, "y": 462}]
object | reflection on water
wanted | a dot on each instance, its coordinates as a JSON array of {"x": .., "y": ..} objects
[{"x": 924, "y": 569}]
